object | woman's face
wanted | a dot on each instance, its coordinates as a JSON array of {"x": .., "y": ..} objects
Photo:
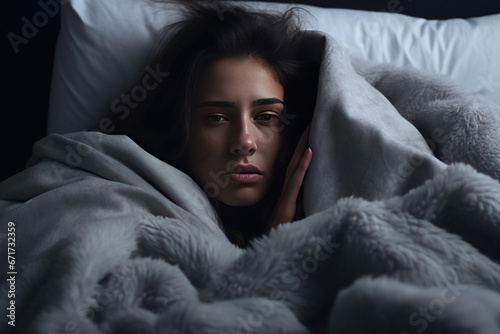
[{"x": 236, "y": 122}]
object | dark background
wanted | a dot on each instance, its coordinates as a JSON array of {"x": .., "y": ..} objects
[{"x": 27, "y": 74}]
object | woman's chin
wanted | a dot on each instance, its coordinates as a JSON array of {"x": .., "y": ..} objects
[{"x": 243, "y": 198}]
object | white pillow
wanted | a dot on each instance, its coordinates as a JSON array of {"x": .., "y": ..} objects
[{"x": 103, "y": 47}]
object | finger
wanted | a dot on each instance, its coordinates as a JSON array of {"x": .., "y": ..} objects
[
  {"x": 300, "y": 171},
  {"x": 291, "y": 191},
  {"x": 292, "y": 187},
  {"x": 285, "y": 210},
  {"x": 299, "y": 151}
]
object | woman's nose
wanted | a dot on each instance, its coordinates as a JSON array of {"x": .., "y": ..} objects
[{"x": 243, "y": 139}]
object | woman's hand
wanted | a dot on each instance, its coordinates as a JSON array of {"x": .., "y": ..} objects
[{"x": 301, "y": 159}]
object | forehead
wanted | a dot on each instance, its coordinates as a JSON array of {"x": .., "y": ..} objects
[{"x": 239, "y": 78}]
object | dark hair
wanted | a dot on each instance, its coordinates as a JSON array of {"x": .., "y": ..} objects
[{"x": 211, "y": 31}]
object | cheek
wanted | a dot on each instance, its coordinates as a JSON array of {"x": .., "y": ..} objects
[
  {"x": 203, "y": 145},
  {"x": 271, "y": 142}
]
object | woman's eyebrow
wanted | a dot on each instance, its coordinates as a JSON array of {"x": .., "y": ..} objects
[
  {"x": 271, "y": 100},
  {"x": 227, "y": 104}
]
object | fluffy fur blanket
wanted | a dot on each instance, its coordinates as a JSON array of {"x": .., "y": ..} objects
[{"x": 401, "y": 234}]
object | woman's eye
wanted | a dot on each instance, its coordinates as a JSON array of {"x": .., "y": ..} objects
[
  {"x": 214, "y": 118},
  {"x": 267, "y": 117}
]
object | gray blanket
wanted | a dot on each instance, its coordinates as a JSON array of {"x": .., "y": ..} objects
[{"x": 401, "y": 234}]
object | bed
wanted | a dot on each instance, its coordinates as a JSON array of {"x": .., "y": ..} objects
[
  {"x": 402, "y": 236},
  {"x": 35, "y": 61}
]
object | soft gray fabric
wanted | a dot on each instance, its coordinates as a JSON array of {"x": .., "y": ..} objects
[
  {"x": 111, "y": 240},
  {"x": 372, "y": 152}
]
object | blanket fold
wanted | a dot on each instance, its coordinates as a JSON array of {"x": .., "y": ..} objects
[{"x": 401, "y": 231}]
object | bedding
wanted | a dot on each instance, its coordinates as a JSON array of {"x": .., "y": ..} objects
[
  {"x": 104, "y": 46},
  {"x": 400, "y": 230}
]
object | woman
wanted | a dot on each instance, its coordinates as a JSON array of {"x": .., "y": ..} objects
[{"x": 229, "y": 114}]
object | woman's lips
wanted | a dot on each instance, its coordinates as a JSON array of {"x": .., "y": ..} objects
[{"x": 244, "y": 177}]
